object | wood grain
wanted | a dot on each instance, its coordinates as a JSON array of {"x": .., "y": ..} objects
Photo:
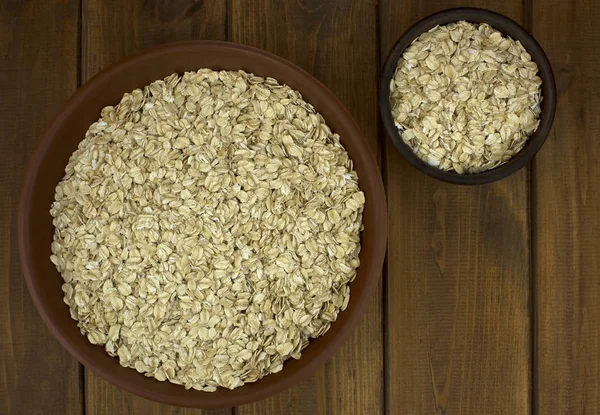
[
  {"x": 111, "y": 30},
  {"x": 335, "y": 41},
  {"x": 104, "y": 398},
  {"x": 458, "y": 324},
  {"x": 566, "y": 203},
  {"x": 38, "y": 67}
]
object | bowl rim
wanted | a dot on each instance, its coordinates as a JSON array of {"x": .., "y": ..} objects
[
  {"x": 202, "y": 399},
  {"x": 517, "y": 32}
]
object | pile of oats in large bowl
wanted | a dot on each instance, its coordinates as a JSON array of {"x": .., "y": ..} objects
[
  {"x": 207, "y": 228},
  {"x": 465, "y": 97}
]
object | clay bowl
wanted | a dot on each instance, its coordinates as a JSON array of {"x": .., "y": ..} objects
[
  {"x": 507, "y": 27},
  {"x": 61, "y": 139}
]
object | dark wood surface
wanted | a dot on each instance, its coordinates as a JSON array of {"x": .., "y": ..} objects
[
  {"x": 490, "y": 297},
  {"x": 458, "y": 277},
  {"x": 38, "y": 73},
  {"x": 566, "y": 208}
]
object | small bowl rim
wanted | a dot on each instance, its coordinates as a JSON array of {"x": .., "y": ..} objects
[
  {"x": 500, "y": 23},
  {"x": 202, "y": 399}
]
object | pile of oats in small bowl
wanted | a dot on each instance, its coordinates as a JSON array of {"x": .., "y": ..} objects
[
  {"x": 465, "y": 97},
  {"x": 207, "y": 228}
]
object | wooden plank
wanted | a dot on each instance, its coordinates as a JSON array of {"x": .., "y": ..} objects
[
  {"x": 566, "y": 200},
  {"x": 113, "y": 29},
  {"x": 104, "y": 398},
  {"x": 38, "y": 63},
  {"x": 336, "y": 42},
  {"x": 458, "y": 325}
]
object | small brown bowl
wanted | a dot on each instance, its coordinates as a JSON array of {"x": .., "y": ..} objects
[
  {"x": 48, "y": 167},
  {"x": 506, "y": 26}
]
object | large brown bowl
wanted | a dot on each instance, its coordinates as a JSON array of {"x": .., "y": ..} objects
[{"x": 68, "y": 129}]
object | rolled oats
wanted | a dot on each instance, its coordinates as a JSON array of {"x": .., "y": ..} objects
[
  {"x": 207, "y": 228},
  {"x": 465, "y": 97}
]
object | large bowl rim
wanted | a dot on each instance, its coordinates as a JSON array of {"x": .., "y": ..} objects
[
  {"x": 475, "y": 15},
  {"x": 203, "y": 399}
]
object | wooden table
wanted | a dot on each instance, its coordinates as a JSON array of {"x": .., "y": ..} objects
[{"x": 489, "y": 301}]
